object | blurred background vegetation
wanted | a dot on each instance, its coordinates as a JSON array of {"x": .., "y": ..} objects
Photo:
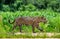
[
  {"x": 11, "y": 9},
  {"x": 15, "y": 5}
]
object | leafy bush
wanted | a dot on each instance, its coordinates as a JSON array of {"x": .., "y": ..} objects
[
  {"x": 54, "y": 24},
  {"x": 2, "y": 30},
  {"x": 30, "y": 7},
  {"x": 52, "y": 18},
  {"x": 6, "y": 8}
]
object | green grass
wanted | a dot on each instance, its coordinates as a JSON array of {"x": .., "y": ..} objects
[{"x": 52, "y": 17}]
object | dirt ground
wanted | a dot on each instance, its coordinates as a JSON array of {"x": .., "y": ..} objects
[{"x": 39, "y": 34}]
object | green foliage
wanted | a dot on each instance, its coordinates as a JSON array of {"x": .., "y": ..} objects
[
  {"x": 2, "y": 30},
  {"x": 55, "y": 24},
  {"x": 6, "y": 8},
  {"x": 31, "y": 5},
  {"x": 52, "y": 18},
  {"x": 52, "y": 25}
]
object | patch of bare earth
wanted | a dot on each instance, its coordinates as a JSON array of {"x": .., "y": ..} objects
[{"x": 39, "y": 34}]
